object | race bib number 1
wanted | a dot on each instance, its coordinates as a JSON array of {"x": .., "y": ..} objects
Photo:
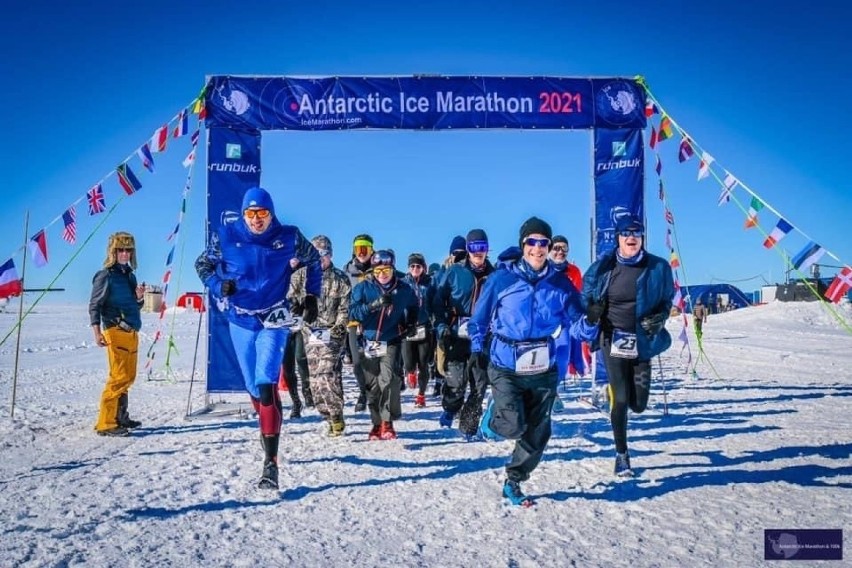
[
  {"x": 623, "y": 344},
  {"x": 532, "y": 357}
]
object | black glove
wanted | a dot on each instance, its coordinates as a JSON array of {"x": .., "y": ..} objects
[
  {"x": 338, "y": 331},
  {"x": 594, "y": 312},
  {"x": 479, "y": 359},
  {"x": 387, "y": 299},
  {"x": 411, "y": 330},
  {"x": 229, "y": 288},
  {"x": 654, "y": 323},
  {"x": 297, "y": 308},
  {"x": 446, "y": 339},
  {"x": 311, "y": 309},
  {"x": 382, "y": 301}
]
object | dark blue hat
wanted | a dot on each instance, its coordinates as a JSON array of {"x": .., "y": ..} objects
[
  {"x": 258, "y": 197},
  {"x": 629, "y": 222},
  {"x": 458, "y": 244}
]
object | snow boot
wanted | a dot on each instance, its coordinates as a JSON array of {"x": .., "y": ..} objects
[
  {"x": 485, "y": 423},
  {"x": 512, "y": 491},
  {"x": 117, "y": 432},
  {"x": 296, "y": 411},
  {"x": 622, "y": 465},
  {"x": 123, "y": 417},
  {"x": 269, "y": 477}
]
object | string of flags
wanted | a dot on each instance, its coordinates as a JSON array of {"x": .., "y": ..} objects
[
  {"x": 95, "y": 197},
  {"x": 809, "y": 254}
]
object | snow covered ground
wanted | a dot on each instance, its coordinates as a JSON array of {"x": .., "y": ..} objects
[{"x": 761, "y": 439}]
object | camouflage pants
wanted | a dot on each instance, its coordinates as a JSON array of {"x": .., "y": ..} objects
[{"x": 325, "y": 372}]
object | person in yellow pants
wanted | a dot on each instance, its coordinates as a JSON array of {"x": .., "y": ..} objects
[{"x": 115, "y": 316}]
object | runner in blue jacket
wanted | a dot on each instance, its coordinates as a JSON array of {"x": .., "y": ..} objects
[
  {"x": 246, "y": 267},
  {"x": 523, "y": 307}
]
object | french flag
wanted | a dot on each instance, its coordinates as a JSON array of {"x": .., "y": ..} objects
[
  {"x": 158, "y": 140},
  {"x": 38, "y": 248},
  {"x": 10, "y": 284}
]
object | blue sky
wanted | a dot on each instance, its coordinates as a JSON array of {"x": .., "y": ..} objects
[{"x": 757, "y": 85}]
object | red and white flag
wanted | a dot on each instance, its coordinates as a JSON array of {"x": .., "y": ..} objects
[
  {"x": 840, "y": 285},
  {"x": 158, "y": 140}
]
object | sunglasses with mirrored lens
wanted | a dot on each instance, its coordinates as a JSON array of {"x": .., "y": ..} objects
[
  {"x": 533, "y": 242},
  {"x": 383, "y": 270},
  {"x": 477, "y": 246},
  {"x": 362, "y": 250},
  {"x": 559, "y": 248},
  {"x": 637, "y": 234},
  {"x": 259, "y": 213},
  {"x": 323, "y": 252}
]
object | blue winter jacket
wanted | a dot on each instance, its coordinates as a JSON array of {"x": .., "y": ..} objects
[
  {"x": 425, "y": 292},
  {"x": 114, "y": 298},
  {"x": 654, "y": 291},
  {"x": 514, "y": 308},
  {"x": 456, "y": 293},
  {"x": 260, "y": 266},
  {"x": 394, "y": 320}
]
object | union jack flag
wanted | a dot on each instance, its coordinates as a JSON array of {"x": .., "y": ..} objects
[
  {"x": 97, "y": 204},
  {"x": 69, "y": 218}
]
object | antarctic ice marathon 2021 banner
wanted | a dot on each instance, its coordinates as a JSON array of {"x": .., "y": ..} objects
[{"x": 423, "y": 102}]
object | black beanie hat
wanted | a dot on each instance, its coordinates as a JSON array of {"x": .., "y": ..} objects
[
  {"x": 416, "y": 258},
  {"x": 458, "y": 243},
  {"x": 559, "y": 239},
  {"x": 532, "y": 226},
  {"x": 477, "y": 235}
]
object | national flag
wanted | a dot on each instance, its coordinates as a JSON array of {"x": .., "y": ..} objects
[
  {"x": 651, "y": 109},
  {"x": 665, "y": 129},
  {"x": 653, "y": 141},
  {"x": 755, "y": 206},
  {"x": 194, "y": 137},
  {"x": 38, "y": 248},
  {"x": 158, "y": 140},
  {"x": 669, "y": 238},
  {"x": 839, "y": 286},
  {"x": 779, "y": 232},
  {"x": 808, "y": 256},
  {"x": 730, "y": 181},
  {"x": 685, "y": 151},
  {"x": 674, "y": 261},
  {"x": 97, "y": 203},
  {"x": 704, "y": 165},
  {"x": 144, "y": 154},
  {"x": 182, "y": 125},
  {"x": 10, "y": 283},
  {"x": 659, "y": 167},
  {"x": 662, "y": 192},
  {"x": 170, "y": 257},
  {"x": 669, "y": 217},
  {"x": 69, "y": 219},
  {"x": 190, "y": 158},
  {"x": 128, "y": 179}
]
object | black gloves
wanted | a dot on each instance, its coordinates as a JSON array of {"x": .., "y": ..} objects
[
  {"x": 411, "y": 330},
  {"x": 480, "y": 359},
  {"x": 338, "y": 331},
  {"x": 229, "y": 288},
  {"x": 297, "y": 308},
  {"x": 383, "y": 301},
  {"x": 446, "y": 338},
  {"x": 654, "y": 323},
  {"x": 594, "y": 312},
  {"x": 311, "y": 309}
]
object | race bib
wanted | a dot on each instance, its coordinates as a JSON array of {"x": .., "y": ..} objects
[
  {"x": 321, "y": 336},
  {"x": 532, "y": 357},
  {"x": 463, "y": 327},
  {"x": 623, "y": 344},
  {"x": 420, "y": 335},
  {"x": 375, "y": 349},
  {"x": 277, "y": 318}
]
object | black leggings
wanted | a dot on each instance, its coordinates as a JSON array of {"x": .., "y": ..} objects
[
  {"x": 630, "y": 386},
  {"x": 416, "y": 355}
]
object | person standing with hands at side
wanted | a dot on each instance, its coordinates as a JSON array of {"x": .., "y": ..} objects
[
  {"x": 115, "y": 314},
  {"x": 246, "y": 267},
  {"x": 699, "y": 318},
  {"x": 628, "y": 291}
]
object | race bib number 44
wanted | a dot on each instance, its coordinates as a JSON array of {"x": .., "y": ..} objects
[
  {"x": 277, "y": 318},
  {"x": 532, "y": 357},
  {"x": 623, "y": 344}
]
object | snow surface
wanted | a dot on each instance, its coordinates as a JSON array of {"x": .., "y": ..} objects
[{"x": 759, "y": 440}]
